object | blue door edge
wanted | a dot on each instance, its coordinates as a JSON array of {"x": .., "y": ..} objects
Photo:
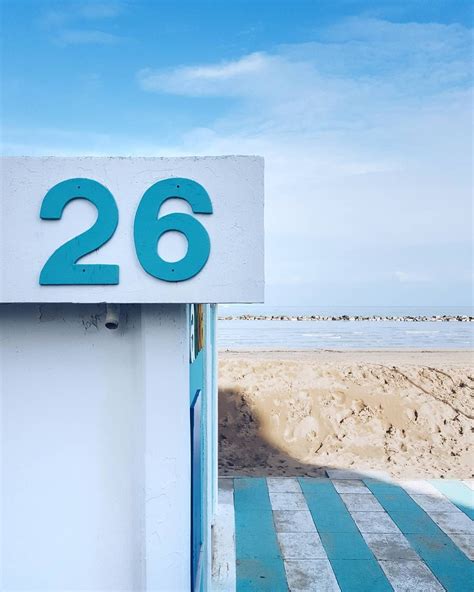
[{"x": 196, "y": 493}]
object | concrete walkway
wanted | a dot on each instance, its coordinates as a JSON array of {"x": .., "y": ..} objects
[{"x": 347, "y": 532}]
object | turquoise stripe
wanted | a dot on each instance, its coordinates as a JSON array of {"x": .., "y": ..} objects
[
  {"x": 354, "y": 564},
  {"x": 327, "y": 508},
  {"x": 259, "y": 564},
  {"x": 452, "y": 568},
  {"x": 360, "y": 575},
  {"x": 458, "y": 493}
]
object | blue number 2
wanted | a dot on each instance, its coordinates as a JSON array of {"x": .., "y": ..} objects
[
  {"x": 62, "y": 268},
  {"x": 149, "y": 228}
]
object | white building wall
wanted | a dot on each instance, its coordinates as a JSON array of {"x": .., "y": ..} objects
[
  {"x": 94, "y": 438},
  {"x": 167, "y": 459}
]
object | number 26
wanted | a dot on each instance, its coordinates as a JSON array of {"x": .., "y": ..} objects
[{"x": 62, "y": 267}]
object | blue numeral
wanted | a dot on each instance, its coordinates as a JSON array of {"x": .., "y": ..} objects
[
  {"x": 62, "y": 268},
  {"x": 148, "y": 229}
]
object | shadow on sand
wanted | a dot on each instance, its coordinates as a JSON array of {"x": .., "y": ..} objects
[{"x": 244, "y": 451}]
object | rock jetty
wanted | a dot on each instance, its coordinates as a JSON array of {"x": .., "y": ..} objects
[{"x": 408, "y": 318}]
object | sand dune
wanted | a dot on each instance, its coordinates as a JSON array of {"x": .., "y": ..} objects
[{"x": 287, "y": 413}]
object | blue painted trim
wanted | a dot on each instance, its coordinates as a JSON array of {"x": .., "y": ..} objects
[
  {"x": 448, "y": 563},
  {"x": 213, "y": 401},
  {"x": 196, "y": 375},
  {"x": 259, "y": 564},
  {"x": 196, "y": 491},
  {"x": 198, "y": 392},
  {"x": 458, "y": 493}
]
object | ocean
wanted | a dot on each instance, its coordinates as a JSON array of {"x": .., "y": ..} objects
[{"x": 344, "y": 335}]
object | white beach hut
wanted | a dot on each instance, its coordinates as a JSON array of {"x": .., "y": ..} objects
[{"x": 108, "y": 390}]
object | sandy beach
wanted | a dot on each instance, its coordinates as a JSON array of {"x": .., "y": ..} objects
[{"x": 408, "y": 413}]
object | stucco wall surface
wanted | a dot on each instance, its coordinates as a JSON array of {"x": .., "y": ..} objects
[{"x": 94, "y": 443}]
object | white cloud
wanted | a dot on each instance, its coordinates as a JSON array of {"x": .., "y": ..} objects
[
  {"x": 205, "y": 80},
  {"x": 81, "y": 10},
  {"x": 366, "y": 136},
  {"x": 65, "y": 23}
]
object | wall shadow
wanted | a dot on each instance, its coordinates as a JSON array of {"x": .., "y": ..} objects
[{"x": 243, "y": 451}]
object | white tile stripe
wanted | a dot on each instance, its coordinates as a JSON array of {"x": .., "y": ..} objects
[
  {"x": 450, "y": 519},
  {"x": 306, "y": 563},
  {"x": 410, "y": 576},
  {"x": 223, "y": 543},
  {"x": 402, "y": 566}
]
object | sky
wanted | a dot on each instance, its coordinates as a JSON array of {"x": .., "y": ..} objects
[{"x": 362, "y": 110}]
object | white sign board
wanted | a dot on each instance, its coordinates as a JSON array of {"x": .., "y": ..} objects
[{"x": 158, "y": 230}]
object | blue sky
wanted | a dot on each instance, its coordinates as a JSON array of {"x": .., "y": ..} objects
[{"x": 360, "y": 108}]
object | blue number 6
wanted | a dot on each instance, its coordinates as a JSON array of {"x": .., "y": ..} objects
[
  {"x": 148, "y": 229},
  {"x": 61, "y": 268}
]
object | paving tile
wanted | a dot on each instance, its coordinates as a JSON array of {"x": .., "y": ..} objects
[
  {"x": 311, "y": 575},
  {"x": 390, "y": 547},
  {"x": 253, "y": 544},
  {"x": 465, "y": 542},
  {"x": 451, "y": 522},
  {"x": 262, "y": 575},
  {"x": 251, "y": 492},
  {"x": 469, "y": 483},
  {"x": 410, "y": 576},
  {"x": 435, "y": 547},
  {"x": 420, "y": 487},
  {"x": 459, "y": 493},
  {"x": 414, "y": 521},
  {"x": 455, "y": 576},
  {"x": 225, "y": 492},
  {"x": 396, "y": 500},
  {"x": 361, "y": 502},
  {"x": 360, "y": 575},
  {"x": 347, "y": 474},
  {"x": 226, "y": 483},
  {"x": 381, "y": 485},
  {"x": 293, "y": 521},
  {"x": 316, "y": 486},
  {"x": 350, "y": 486},
  {"x": 259, "y": 565},
  {"x": 223, "y": 547},
  {"x": 283, "y": 485},
  {"x": 430, "y": 503},
  {"x": 301, "y": 545},
  {"x": 376, "y": 522},
  {"x": 256, "y": 520},
  {"x": 327, "y": 508},
  {"x": 347, "y": 545},
  {"x": 332, "y": 521},
  {"x": 449, "y": 565},
  {"x": 287, "y": 501}
]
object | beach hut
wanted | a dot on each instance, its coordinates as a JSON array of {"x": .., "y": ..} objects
[{"x": 111, "y": 270}]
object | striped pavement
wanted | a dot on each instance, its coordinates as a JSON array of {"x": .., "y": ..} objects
[{"x": 347, "y": 533}]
